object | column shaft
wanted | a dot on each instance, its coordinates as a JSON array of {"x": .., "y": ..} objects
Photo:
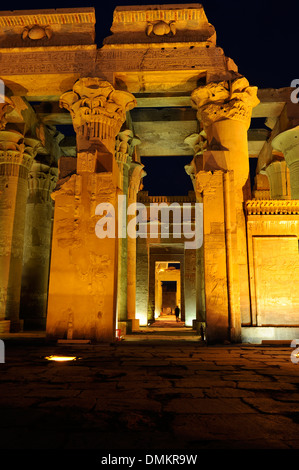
[
  {"x": 15, "y": 161},
  {"x": 37, "y": 244},
  {"x": 288, "y": 143}
]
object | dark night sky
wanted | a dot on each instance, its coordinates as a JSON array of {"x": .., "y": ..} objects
[{"x": 260, "y": 36}]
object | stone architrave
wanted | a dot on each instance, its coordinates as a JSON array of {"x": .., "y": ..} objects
[
  {"x": 288, "y": 143},
  {"x": 224, "y": 109},
  {"x": 42, "y": 180},
  {"x": 16, "y": 157},
  {"x": 83, "y": 276}
]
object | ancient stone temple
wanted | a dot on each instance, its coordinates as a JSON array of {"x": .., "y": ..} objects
[{"x": 85, "y": 251}]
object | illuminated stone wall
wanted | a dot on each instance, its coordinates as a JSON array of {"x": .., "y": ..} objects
[{"x": 273, "y": 232}]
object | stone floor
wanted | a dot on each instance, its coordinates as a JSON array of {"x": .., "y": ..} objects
[{"x": 146, "y": 392}]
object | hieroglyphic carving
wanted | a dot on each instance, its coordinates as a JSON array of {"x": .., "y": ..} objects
[
  {"x": 211, "y": 59},
  {"x": 101, "y": 61},
  {"x": 86, "y": 162},
  {"x": 18, "y": 63}
]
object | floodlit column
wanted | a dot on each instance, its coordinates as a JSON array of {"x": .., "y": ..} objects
[
  {"x": 135, "y": 180},
  {"x": 16, "y": 156},
  {"x": 224, "y": 109},
  {"x": 288, "y": 143},
  {"x": 42, "y": 180},
  {"x": 123, "y": 160},
  {"x": 84, "y": 262},
  {"x": 125, "y": 144},
  {"x": 216, "y": 322},
  {"x": 198, "y": 142},
  {"x": 279, "y": 178}
]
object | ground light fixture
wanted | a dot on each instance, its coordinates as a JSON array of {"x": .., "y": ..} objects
[{"x": 61, "y": 358}]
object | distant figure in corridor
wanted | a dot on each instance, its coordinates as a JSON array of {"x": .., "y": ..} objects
[{"x": 177, "y": 313}]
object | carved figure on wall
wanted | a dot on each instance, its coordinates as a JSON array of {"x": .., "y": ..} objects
[
  {"x": 37, "y": 32},
  {"x": 161, "y": 28}
]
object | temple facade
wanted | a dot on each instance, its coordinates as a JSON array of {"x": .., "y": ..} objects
[{"x": 84, "y": 249}]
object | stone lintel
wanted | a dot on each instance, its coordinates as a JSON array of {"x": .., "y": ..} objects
[
  {"x": 31, "y": 28},
  {"x": 156, "y": 23}
]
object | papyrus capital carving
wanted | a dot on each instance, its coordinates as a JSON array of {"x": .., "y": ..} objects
[
  {"x": 6, "y": 105},
  {"x": 225, "y": 100},
  {"x": 125, "y": 143},
  {"x": 42, "y": 178},
  {"x": 97, "y": 109},
  {"x": 17, "y": 151}
]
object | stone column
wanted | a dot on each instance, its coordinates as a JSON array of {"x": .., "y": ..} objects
[
  {"x": 123, "y": 160},
  {"x": 224, "y": 109},
  {"x": 279, "y": 177},
  {"x": 125, "y": 143},
  {"x": 16, "y": 156},
  {"x": 198, "y": 142},
  {"x": 288, "y": 143},
  {"x": 42, "y": 180},
  {"x": 84, "y": 263},
  {"x": 136, "y": 174}
]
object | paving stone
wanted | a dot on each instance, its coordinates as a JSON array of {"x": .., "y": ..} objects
[
  {"x": 226, "y": 392},
  {"x": 72, "y": 402},
  {"x": 121, "y": 404},
  {"x": 208, "y": 406},
  {"x": 246, "y": 376},
  {"x": 263, "y": 385},
  {"x": 153, "y": 395},
  {"x": 200, "y": 382},
  {"x": 268, "y": 405},
  {"x": 239, "y": 427}
]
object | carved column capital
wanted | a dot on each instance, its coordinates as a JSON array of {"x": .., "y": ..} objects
[
  {"x": 278, "y": 175},
  {"x": 225, "y": 100},
  {"x": 5, "y": 105},
  {"x": 122, "y": 147},
  {"x": 125, "y": 144},
  {"x": 288, "y": 143},
  {"x": 198, "y": 142},
  {"x": 136, "y": 174},
  {"x": 97, "y": 109},
  {"x": 42, "y": 179},
  {"x": 16, "y": 153}
]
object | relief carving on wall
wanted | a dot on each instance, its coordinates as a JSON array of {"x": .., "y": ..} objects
[
  {"x": 36, "y": 32},
  {"x": 161, "y": 28}
]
